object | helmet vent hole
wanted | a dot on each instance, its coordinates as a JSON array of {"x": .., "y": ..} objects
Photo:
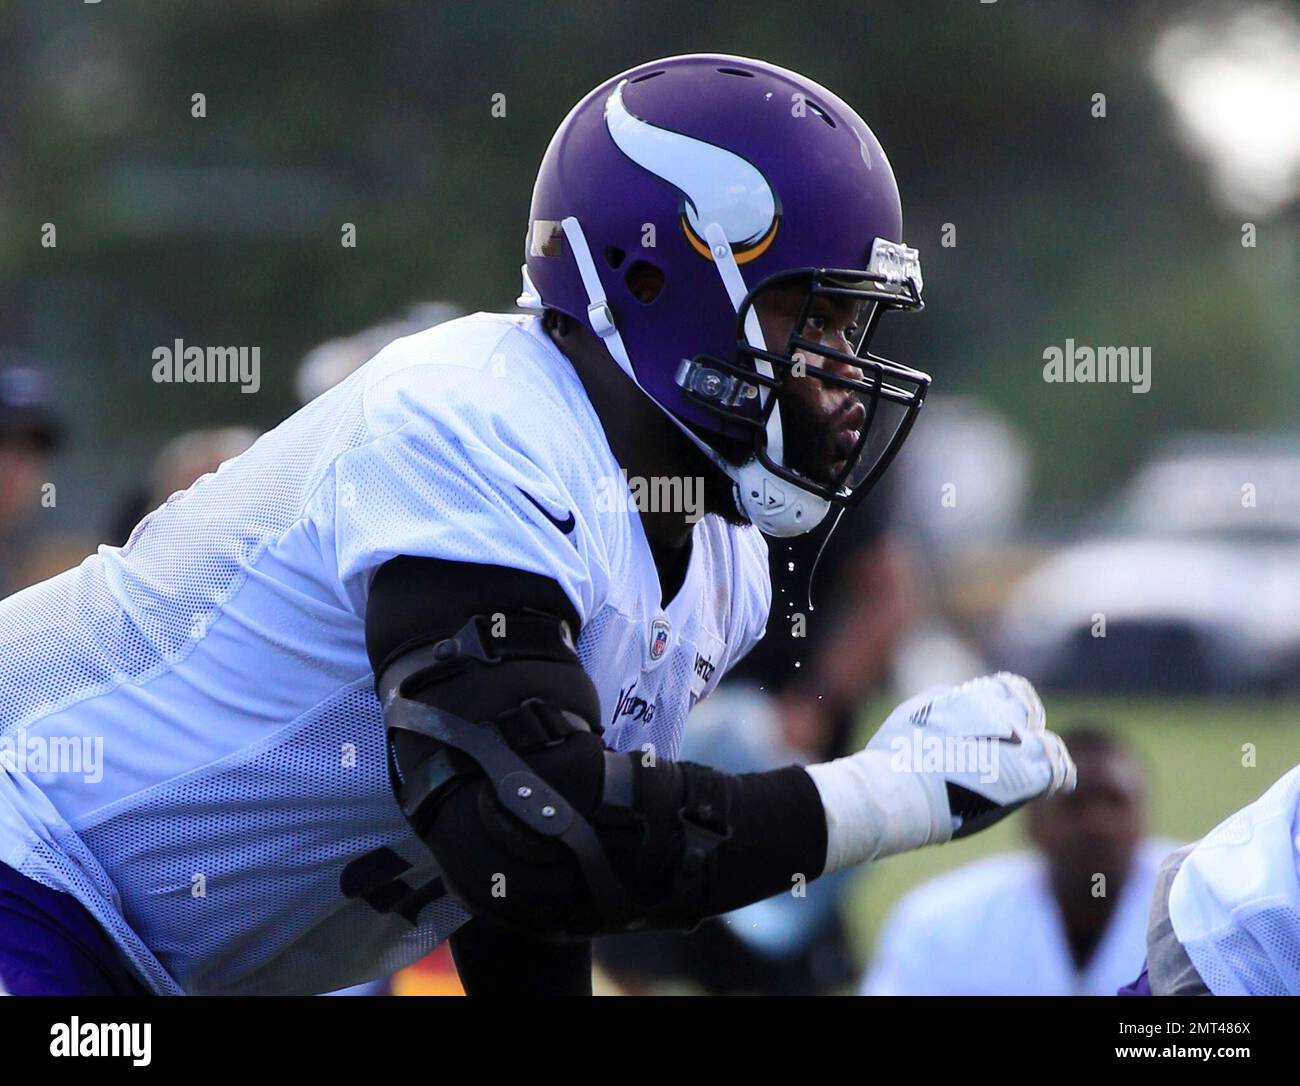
[
  {"x": 614, "y": 256},
  {"x": 645, "y": 281},
  {"x": 737, "y": 71},
  {"x": 815, "y": 108},
  {"x": 643, "y": 78}
]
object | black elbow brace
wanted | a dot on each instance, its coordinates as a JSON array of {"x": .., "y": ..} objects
[
  {"x": 534, "y": 823},
  {"x": 491, "y": 787}
]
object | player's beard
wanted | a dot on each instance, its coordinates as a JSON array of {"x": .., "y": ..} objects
[
  {"x": 720, "y": 497},
  {"x": 820, "y": 434}
]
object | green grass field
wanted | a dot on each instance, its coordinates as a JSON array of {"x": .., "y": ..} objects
[{"x": 1194, "y": 752}]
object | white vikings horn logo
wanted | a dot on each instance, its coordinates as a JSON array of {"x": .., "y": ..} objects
[{"x": 717, "y": 185}]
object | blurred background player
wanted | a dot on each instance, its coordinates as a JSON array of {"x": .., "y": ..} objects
[
  {"x": 1066, "y": 919},
  {"x": 29, "y": 435},
  {"x": 794, "y": 698}
]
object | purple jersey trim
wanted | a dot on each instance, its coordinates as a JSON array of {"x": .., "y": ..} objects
[
  {"x": 50, "y": 944},
  {"x": 1139, "y": 987}
]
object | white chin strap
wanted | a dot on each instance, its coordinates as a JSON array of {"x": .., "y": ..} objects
[{"x": 777, "y": 507}]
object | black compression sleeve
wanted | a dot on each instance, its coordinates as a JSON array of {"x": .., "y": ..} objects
[
  {"x": 776, "y": 831},
  {"x": 778, "y": 827}
]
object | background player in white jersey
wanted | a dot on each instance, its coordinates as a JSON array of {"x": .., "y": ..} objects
[{"x": 454, "y": 528}]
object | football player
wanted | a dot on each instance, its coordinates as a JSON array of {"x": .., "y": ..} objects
[
  {"x": 1225, "y": 916},
  {"x": 415, "y": 666}
]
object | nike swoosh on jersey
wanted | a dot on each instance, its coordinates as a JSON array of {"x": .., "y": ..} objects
[{"x": 566, "y": 525}]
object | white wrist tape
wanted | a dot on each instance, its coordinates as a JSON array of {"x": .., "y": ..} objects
[{"x": 874, "y": 809}]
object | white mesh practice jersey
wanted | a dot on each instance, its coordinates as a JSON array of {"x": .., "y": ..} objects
[
  {"x": 1235, "y": 902},
  {"x": 218, "y": 661}
]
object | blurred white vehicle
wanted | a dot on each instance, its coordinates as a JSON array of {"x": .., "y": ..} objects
[{"x": 1195, "y": 582}]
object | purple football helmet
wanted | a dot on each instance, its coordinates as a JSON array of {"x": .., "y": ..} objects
[{"x": 730, "y": 177}]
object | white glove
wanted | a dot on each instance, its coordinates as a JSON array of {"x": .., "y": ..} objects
[{"x": 945, "y": 763}]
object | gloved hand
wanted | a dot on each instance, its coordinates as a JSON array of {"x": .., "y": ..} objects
[{"x": 945, "y": 764}]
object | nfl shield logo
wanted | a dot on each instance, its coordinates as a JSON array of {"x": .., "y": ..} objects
[{"x": 659, "y": 638}]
